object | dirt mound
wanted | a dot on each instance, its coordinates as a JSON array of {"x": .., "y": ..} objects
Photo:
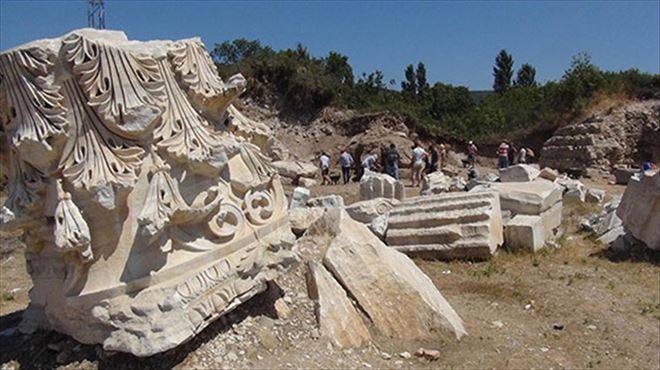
[{"x": 620, "y": 135}]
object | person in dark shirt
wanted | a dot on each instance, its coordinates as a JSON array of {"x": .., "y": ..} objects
[
  {"x": 432, "y": 160},
  {"x": 392, "y": 161}
]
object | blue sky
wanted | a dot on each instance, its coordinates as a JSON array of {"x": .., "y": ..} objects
[{"x": 458, "y": 41}]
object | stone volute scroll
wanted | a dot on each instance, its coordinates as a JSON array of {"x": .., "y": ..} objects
[{"x": 145, "y": 218}]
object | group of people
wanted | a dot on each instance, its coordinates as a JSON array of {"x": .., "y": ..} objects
[
  {"x": 422, "y": 161},
  {"x": 506, "y": 154}
]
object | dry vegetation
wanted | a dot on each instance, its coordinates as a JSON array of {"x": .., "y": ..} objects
[{"x": 576, "y": 306}]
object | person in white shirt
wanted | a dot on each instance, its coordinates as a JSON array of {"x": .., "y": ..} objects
[
  {"x": 324, "y": 160},
  {"x": 369, "y": 162},
  {"x": 522, "y": 155},
  {"x": 346, "y": 161},
  {"x": 418, "y": 156}
]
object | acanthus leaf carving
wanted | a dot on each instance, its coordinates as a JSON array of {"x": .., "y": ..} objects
[
  {"x": 95, "y": 157},
  {"x": 32, "y": 107},
  {"x": 185, "y": 135},
  {"x": 163, "y": 199},
  {"x": 199, "y": 76},
  {"x": 71, "y": 231},
  {"x": 26, "y": 185},
  {"x": 125, "y": 90}
]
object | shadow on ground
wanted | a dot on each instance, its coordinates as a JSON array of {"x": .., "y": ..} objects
[
  {"x": 49, "y": 349},
  {"x": 636, "y": 253}
]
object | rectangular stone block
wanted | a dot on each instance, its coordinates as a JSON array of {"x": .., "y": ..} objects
[
  {"x": 445, "y": 226},
  {"x": 525, "y": 232},
  {"x": 528, "y": 198}
]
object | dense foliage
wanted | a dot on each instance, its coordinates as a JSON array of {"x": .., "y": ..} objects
[{"x": 301, "y": 85}]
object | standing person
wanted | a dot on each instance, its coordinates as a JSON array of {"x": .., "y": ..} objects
[
  {"x": 432, "y": 160},
  {"x": 503, "y": 155},
  {"x": 522, "y": 156},
  {"x": 443, "y": 156},
  {"x": 512, "y": 154},
  {"x": 346, "y": 161},
  {"x": 418, "y": 155},
  {"x": 472, "y": 153},
  {"x": 369, "y": 162},
  {"x": 392, "y": 159},
  {"x": 324, "y": 160}
]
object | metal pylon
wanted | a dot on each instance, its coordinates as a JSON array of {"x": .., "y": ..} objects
[{"x": 95, "y": 14}]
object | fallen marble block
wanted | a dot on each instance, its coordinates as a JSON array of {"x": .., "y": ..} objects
[
  {"x": 640, "y": 209},
  {"x": 525, "y": 233},
  {"x": 145, "y": 218},
  {"x": 445, "y": 226},
  {"x": 380, "y": 185},
  {"x": 519, "y": 173}
]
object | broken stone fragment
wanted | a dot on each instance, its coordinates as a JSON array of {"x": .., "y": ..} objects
[
  {"x": 380, "y": 185},
  {"x": 519, "y": 173},
  {"x": 640, "y": 209},
  {"x": 379, "y": 279},
  {"x": 338, "y": 320}
]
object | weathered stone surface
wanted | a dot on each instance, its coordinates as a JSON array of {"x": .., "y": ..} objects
[
  {"x": 640, "y": 209},
  {"x": 299, "y": 197},
  {"x": 615, "y": 136},
  {"x": 305, "y": 182},
  {"x": 399, "y": 299},
  {"x": 327, "y": 201},
  {"x": 525, "y": 232},
  {"x": 519, "y": 173},
  {"x": 301, "y": 218},
  {"x": 435, "y": 183},
  {"x": 577, "y": 194},
  {"x": 145, "y": 219},
  {"x": 338, "y": 320},
  {"x": 529, "y": 198},
  {"x": 366, "y": 210},
  {"x": 451, "y": 225},
  {"x": 551, "y": 219},
  {"x": 380, "y": 185},
  {"x": 295, "y": 169},
  {"x": 548, "y": 174},
  {"x": 594, "y": 195},
  {"x": 622, "y": 174},
  {"x": 379, "y": 226}
]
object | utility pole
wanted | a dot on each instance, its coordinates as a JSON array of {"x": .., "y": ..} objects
[{"x": 95, "y": 14}]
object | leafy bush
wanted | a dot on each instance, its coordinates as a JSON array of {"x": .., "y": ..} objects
[{"x": 300, "y": 84}]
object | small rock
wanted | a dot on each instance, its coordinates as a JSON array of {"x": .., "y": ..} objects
[
  {"x": 528, "y": 306},
  {"x": 544, "y": 349},
  {"x": 558, "y": 326},
  {"x": 429, "y": 354},
  {"x": 591, "y": 327},
  {"x": 497, "y": 324},
  {"x": 386, "y": 355},
  {"x": 405, "y": 355},
  {"x": 231, "y": 356},
  {"x": 367, "y": 365}
]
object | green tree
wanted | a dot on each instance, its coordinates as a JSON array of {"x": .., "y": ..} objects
[
  {"x": 422, "y": 84},
  {"x": 237, "y": 50},
  {"x": 337, "y": 66},
  {"x": 502, "y": 71},
  {"x": 526, "y": 76},
  {"x": 579, "y": 83},
  {"x": 409, "y": 86}
]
